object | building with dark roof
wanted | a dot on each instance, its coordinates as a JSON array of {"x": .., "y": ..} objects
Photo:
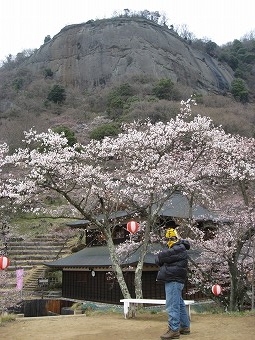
[{"x": 87, "y": 274}]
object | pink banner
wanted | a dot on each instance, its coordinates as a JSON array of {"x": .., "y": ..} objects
[{"x": 19, "y": 276}]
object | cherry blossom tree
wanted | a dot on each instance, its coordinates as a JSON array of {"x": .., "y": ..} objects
[
  {"x": 9, "y": 295},
  {"x": 228, "y": 258},
  {"x": 48, "y": 164},
  {"x": 186, "y": 154},
  {"x": 139, "y": 170}
]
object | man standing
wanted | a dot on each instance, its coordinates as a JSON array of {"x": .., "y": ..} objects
[{"x": 173, "y": 272}]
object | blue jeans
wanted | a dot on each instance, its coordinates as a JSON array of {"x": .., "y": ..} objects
[{"x": 175, "y": 306}]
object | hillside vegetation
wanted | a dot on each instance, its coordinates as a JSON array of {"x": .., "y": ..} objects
[{"x": 39, "y": 99}]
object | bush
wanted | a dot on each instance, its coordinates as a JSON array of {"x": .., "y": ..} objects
[
  {"x": 117, "y": 99},
  {"x": 164, "y": 89},
  {"x": 46, "y": 39},
  {"x": 198, "y": 97},
  {"x": 131, "y": 100},
  {"x": 48, "y": 73},
  {"x": 104, "y": 130},
  {"x": 124, "y": 90},
  {"x": 69, "y": 134},
  {"x": 18, "y": 84},
  {"x": 230, "y": 59},
  {"x": 239, "y": 90},
  {"x": 57, "y": 94},
  {"x": 115, "y": 102},
  {"x": 155, "y": 110}
]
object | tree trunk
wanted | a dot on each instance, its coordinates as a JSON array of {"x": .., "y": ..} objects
[
  {"x": 139, "y": 267},
  {"x": 116, "y": 266},
  {"x": 138, "y": 280},
  {"x": 233, "y": 296}
]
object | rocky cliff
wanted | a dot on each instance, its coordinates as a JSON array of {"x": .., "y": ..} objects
[{"x": 99, "y": 52}]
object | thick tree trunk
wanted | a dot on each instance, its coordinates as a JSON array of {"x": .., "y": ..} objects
[
  {"x": 233, "y": 295},
  {"x": 235, "y": 290}
]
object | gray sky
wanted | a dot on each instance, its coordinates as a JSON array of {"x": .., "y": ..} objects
[{"x": 25, "y": 23}]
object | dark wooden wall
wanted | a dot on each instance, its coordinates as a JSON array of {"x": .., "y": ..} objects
[{"x": 82, "y": 285}]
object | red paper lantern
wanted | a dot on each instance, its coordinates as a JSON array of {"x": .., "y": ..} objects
[
  {"x": 216, "y": 289},
  {"x": 4, "y": 262},
  {"x": 132, "y": 227}
]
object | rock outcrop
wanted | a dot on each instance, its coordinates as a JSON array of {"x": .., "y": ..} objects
[{"x": 98, "y": 52}]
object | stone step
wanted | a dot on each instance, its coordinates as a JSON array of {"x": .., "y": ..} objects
[
  {"x": 32, "y": 282},
  {"x": 59, "y": 238},
  {"x": 38, "y": 237},
  {"x": 15, "y": 239},
  {"x": 31, "y": 256},
  {"x": 31, "y": 274},
  {"x": 14, "y": 267},
  {"x": 29, "y": 263},
  {"x": 12, "y": 285},
  {"x": 34, "y": 252},
  {"x": 32, "y": 262},
  {"x": 40, "y": 252},
  {"x": 35, "y": 244}
]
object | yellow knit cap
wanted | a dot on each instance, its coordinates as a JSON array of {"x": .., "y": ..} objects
[{"x": 172, "y": 233}]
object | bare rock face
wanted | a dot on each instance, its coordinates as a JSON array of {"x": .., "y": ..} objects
[{"x": 98, "y": 52}]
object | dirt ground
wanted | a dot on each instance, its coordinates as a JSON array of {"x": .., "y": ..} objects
[{"x": 113, "y": 326}]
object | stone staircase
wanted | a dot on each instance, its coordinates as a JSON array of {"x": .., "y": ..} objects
[{"x": 32, "y": 254}]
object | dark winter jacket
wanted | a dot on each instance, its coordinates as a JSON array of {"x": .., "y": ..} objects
[{"x": 173, "y": 262}]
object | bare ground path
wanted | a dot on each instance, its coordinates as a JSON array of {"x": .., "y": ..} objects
[{"x": 113, "y": 326}]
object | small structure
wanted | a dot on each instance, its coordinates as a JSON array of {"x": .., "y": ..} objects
[{"x": 87, "y": 274}]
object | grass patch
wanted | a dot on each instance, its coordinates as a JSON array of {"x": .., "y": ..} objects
[
  {"x": 207, "y": 308},
  {"x": 211, "y": 307},
  {"x": 242, "y": 313},
  {"x": 6, "y": 318},
  {"x": 31, "y": 226}
]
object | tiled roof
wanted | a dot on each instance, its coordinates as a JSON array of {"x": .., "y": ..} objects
[
  {"x": 99, "y": 257},
  {"x": 177, "y": 207}
]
